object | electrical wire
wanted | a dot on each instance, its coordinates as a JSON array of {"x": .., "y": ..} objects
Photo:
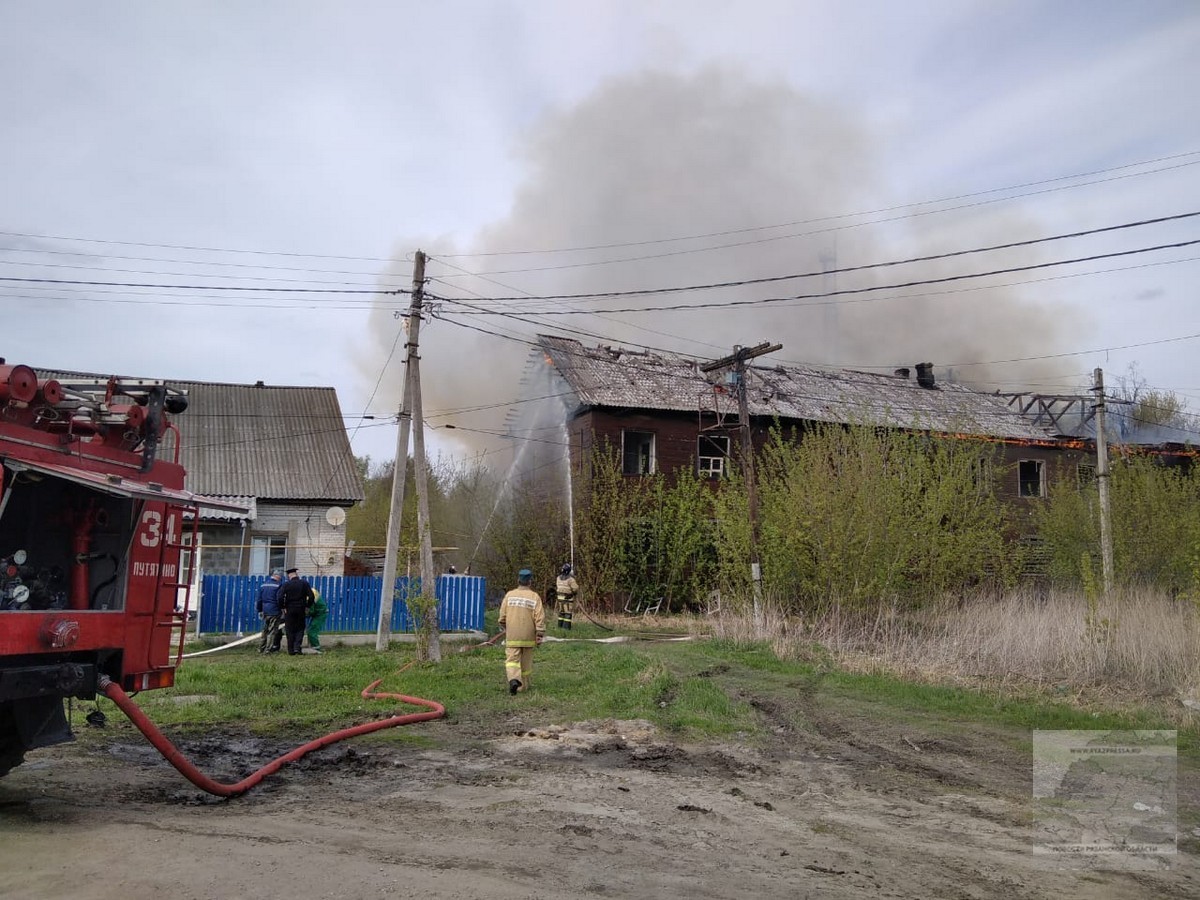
[
  {"x": 843, "y": 292},
  {"x": 813, "y": 221},
  {"x": 784, "y": 237},
  {"x": 160, "y": 259},
  {"x": 108, "y": 269},
  {"x": 383, "y": 259},
  {"x": 721, "y": 285},
  {"x": 840, "y": 374},
  {"x": 202, "y": 287}
]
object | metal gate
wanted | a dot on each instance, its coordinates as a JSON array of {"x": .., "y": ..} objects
[{"x": 226, "y": 603}]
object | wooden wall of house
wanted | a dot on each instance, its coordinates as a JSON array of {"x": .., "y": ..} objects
[
  {"x": 1057, "y": 463},
  {"x": 675, "y": 437},
  {"x": 676, "y": 449}
]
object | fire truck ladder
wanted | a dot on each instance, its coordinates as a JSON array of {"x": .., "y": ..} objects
[{"x": 181, "y": 580}]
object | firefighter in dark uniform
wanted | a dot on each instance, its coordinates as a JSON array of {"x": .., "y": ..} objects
[
  {"x": 295, "y": 599},
  {"x": 565, "y": 587}
]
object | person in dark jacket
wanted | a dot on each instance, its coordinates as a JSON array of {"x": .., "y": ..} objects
[
  {"x": 295, "y": 598},
  {"x": 267, "y": 605}
]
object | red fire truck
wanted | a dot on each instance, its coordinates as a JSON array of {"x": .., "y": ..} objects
[{"x": 93, "y": 520}]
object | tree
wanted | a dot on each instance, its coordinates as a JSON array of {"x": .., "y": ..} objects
[
  {"x": 366, "y": 522},
  {"x": 1149, "y": 408}
]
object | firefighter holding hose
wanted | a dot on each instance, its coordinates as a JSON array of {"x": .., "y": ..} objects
[
  {"x": 524, "y": 622},
  {"x": 565, "y": 588}
]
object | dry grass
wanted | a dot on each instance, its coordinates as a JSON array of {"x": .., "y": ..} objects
[{"x": 1135, "y": 643}]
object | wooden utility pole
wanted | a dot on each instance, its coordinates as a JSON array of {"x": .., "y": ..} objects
[
  {"x": 738, "y": 360},
  {"x": 383, "y": 634},
  {"x": 428, "y": 575},
  {"x": 1102, "y": 480}
]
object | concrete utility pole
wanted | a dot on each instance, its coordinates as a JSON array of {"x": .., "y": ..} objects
[
  {"x": 1102, "y": 480},
  {"x": 428, "y": 575},
  {"x": 738, "y": 360},
  {"x": 384, "y": 633}
]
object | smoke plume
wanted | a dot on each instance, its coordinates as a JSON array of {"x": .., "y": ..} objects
[{"x": 713, "y": 156}]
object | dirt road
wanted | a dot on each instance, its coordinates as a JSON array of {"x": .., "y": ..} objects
[{"x": 839, "y": 809}]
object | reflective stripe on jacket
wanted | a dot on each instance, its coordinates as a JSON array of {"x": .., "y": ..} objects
[
  {"x": 522, "y": 617},
  {"x": 566, "y": 588}
]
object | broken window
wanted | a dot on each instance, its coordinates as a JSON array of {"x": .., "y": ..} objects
[
  {"x": 637, "y": 452},
  {"x": 1031, "y": 478},
  {"x": 1086, "y": 474},
  {"x": 711, "y": 453}
]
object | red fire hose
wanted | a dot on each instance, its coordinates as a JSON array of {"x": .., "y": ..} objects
[{"x": 175, "y": 757}]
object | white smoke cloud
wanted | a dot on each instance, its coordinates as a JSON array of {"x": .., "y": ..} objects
[{"x": 661, "y": 155}]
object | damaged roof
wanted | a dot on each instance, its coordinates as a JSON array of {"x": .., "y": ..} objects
[{"x": 617, "y": 378}]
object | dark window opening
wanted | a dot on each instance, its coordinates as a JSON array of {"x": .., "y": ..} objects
[
  {"x": 1086, "y": 474},
  {"x": 712, "y": 451},
  {"x": 637, "y": 452},
  {"x": 1030, "y": 474}
]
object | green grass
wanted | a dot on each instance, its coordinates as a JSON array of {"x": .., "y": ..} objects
[{"x": 695, "y": 691}]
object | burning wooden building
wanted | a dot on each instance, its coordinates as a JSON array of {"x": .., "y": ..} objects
[{"x": 666, "y": 414}]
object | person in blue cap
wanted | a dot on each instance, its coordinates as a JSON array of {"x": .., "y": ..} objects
[
  {"x": 269, "y": 611},
  {"x": 524, "y": 622}
]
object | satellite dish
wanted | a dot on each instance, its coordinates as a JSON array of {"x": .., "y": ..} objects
[{"x": 335, "y": 516}]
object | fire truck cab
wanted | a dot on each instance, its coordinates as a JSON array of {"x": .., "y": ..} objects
[{"x": 92, "y": 525}]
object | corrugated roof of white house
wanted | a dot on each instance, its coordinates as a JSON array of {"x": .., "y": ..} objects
[
  {"x": 617, "y": 378},
  {"x": 264, "y": 441}
]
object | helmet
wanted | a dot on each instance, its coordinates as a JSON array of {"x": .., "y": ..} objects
[{"x": 566, "y": 570}]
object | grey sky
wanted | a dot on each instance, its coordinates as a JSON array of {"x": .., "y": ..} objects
[{"x": 368, "y": 129}]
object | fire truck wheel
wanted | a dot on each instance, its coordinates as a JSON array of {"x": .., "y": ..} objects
[
  {"x": 10, "y": 757},
  {"x": 12, "y": 751}
]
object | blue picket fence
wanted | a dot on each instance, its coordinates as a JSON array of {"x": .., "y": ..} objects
[{"x": 227, "y": 603}]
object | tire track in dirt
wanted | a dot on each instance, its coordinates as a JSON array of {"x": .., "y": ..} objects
[{"x": 933, "y": 760}]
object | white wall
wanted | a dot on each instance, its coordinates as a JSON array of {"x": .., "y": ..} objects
[{"x": 314, "y": 546}]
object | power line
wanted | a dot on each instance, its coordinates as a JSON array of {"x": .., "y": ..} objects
[
  {"x": 239, "y": 304},
  {"x": 839, "y": 271},
  {"x": 159, "y": 259},
  {"x": 825, "y": 295},
  {"x": 783, "y": 237},
  {"x": 843, "y": 374},
  {"x": 107, "y": 269},
  {"x": 813, "y": 221},
  {"x": 1171, "y": 340},
  {"x": 298, "y": 255},
  {"x": 184, "y": 300},
  {"x": 84, "y": 240},
  {"x": 598, "y": 314},
  {"x": 202, "y": 287}
]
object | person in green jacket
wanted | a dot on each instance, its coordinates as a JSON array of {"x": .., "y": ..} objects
[{"x": 317, "y": 613}]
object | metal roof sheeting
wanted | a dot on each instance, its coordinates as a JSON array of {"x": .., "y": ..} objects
[
  {"x": 613, "y": 377},
  {"x": 277, "y": 443},
  {"x": 221, "y": 514},
  {"x": 254, "y": 440}
]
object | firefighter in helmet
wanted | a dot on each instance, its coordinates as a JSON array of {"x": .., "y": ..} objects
[
  {"x": 565, "y": 588},
  {"x": 524, "y": 622}
]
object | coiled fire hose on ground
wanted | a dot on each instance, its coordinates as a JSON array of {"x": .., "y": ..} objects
[{"x": 175, "y": 757}]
